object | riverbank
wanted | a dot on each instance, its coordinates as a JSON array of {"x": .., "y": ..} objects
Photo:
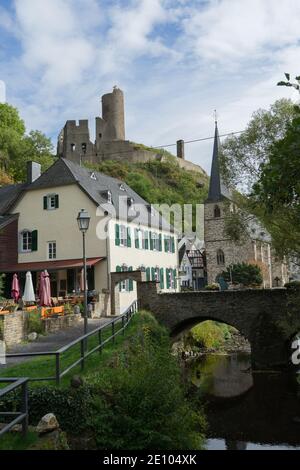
[{"x": 133, "y": 399}]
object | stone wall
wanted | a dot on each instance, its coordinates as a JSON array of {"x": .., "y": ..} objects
[
  {"x": 267, "y": 318},
  {"x": 14, "y": 328}
]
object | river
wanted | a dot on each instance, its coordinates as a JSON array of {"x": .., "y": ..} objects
[{"x": 246, "y": 410}]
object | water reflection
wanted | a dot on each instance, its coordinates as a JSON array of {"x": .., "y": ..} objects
[{"x": 247, "y": 410}]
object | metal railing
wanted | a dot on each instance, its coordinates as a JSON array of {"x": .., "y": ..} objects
[
  {"x": 19, "y": 416},
  {"x": 122, "y": 321}
]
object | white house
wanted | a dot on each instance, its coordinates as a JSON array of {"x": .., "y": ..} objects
[{"x": 125, "y": 232}]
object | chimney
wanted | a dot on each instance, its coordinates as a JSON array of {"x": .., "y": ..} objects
[
  {"x": 33, "y": 171},
  {"x": 180, "y": 149}
]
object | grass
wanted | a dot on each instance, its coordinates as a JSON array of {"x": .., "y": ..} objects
[
  {"x": 45, "y": 366},
  {"x": 16, "y": 441}
]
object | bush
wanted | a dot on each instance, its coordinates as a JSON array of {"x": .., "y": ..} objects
[
  {"x": 295, "y": 285},
  {"x": 243, "y": 273},
  {"x": 207, "y": 335},
  {"x": 35, "y": 322},
  {"x": 213, "y": 287},
  {"x": 140, "y": 402}
]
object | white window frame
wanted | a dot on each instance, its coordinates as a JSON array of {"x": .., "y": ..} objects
[
  {"x": 51, "y": 250},
  {"x": 50, "y": 199},
  {"x": 123, "y": 235},
  {"x": 22, "y": 234}
]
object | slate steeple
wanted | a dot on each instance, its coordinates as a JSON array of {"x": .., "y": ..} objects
[{"x": 217, "y": 188}]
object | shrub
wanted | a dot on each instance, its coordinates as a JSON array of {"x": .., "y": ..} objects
[
  {"x": 243, "y": 273},
  {"x": 295, "y": 285},
  {"x": 208, "y": 335},
  {"x": 35, "y": 324},
  {"x": 212, "y": 287}
]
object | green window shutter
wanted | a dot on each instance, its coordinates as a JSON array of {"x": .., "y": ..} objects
[
  {"x": 45, "y": 203},
  {"x": 160, "y": 242},
  {"x": 137, "y": 241},
  {"x": 148, "y": 275},
  {"x": 173, "y": 244},
  {"x": 146, "y": 240},
  {"x": 175, "y": 278},
  {"x": 153, "y": 274},
  {"x": 166, "y": 244},
  {"x": 130, "y": 280},
  {"x": 57, "y": 201},
  {"x": 168, "y": 278},
  {"x": 162, "y": 278},
  {"x": 34, "y": 243},
  {"x": 129, "y": 237},
  {"x": 151, "y": 241},
  {"x": 117, "y": 228}
]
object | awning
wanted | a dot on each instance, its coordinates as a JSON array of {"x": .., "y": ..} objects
[{"x": 51, "y": 265}]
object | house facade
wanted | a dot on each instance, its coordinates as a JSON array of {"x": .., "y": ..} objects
[
  {"x": 125, "y": 233},
  {"x": 221, "y": 251}
]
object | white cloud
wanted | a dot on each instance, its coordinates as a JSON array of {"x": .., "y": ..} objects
[
  {"x": 2, "y": 92},
  {"x": 177, "y": 60}
]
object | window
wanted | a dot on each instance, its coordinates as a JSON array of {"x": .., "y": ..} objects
[
  {"x": 83, "y": 147},
  {"x": 217, "y": 212},
  {"x": 93, "y": 176},
  {"x": 220, "y": 258},
  {"x": 122, "y": 187},
  {"x": 26, "y": 241},
  {"x": 73, "y": 147},
  {"x": 51, "y": 250},
  {"x": 123, "y": 235},
  {"x": 109, "y": 198},
  {"x": 168, "y": 245},
  {"x": 51, "y": 202}
]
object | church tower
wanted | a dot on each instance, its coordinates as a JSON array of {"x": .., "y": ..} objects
[{"x": 219, "y": 248}]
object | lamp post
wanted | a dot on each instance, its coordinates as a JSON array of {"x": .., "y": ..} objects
[{"x": 83, "y": 220}]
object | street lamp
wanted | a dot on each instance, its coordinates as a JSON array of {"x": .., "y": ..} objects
[{"x": 83, "y": 221}]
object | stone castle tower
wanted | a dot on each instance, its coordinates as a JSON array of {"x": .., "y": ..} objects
[
  {"x": 74, "y": 142},
  {"x": 222, "y": 251}
]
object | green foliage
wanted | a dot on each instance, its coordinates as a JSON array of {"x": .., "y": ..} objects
[
  {"x": 160, "y": 182},
  {"x": 134, "y": 399},
  {"x": 140, "y": 402},
  {"x": 212, "y": 287},
  {"x": 294, "y": 285},
  {"x": 243, "y": 155},
  {"x": 243, "y": 273},
  {"x": 35, "y": 322},
  {"x": 14, "y": 441},
  {"x": 210, "y": 334},
  {"x": 16, "y": 148}
]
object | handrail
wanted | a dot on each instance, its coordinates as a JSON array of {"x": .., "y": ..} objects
[
  {"x": 125, "y": 318},
  {"x": 20, "y": 416}
]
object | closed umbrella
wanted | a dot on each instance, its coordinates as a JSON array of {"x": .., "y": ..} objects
[
  {"x": 15, "y": 289},
  {"x": 28, "y": 295},
  {"x": 45, "y": 290},
  {"x": 82, "y": 281}
]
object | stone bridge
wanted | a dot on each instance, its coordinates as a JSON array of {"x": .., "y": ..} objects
[{"x": 268, "y": 319}]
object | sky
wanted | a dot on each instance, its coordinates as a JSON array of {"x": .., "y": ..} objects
[{"x": 176, "y": 61}]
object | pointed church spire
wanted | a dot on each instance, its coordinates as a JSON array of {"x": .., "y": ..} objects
[{"x": 217, "y": 188}]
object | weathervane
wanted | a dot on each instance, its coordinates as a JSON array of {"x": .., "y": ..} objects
[{"x": 289, "y": 84}]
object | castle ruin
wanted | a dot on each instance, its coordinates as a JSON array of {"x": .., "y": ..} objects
[{"x": 74, "y": 142}]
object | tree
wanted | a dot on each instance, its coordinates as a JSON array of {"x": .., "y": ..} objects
[
  {"x": 16, "y": 148},
  {"x": 277, "y": 191},
  {"x": 243, "y": 273},
  {"x": 243, "y": 156}
]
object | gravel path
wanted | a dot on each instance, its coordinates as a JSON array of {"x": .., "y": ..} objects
[{"x": 53, "y": 341}]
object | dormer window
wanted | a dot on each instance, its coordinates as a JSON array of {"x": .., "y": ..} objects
[
  {"x": 109, "y": 197},
  {"x": 51, "y": 202},
  {"x": 130, "y": 201},
  {"x": 217, "y": 212},
  {"x": 122, "y": 187},
  {"x": 93, "y": 176}
]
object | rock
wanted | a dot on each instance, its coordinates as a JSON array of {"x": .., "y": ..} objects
[
  {"x": 33, "y": 337},
  {"x": 76, "y": 381},
  {"x": 47, "y": 424}
]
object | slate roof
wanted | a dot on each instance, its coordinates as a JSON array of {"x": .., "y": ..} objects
[
  {"x": 9, "y": 195},
  {"x": 7, "y": 219},
  {"x": 217, "y": 188},
  {"x": 64, "y": 172}
]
